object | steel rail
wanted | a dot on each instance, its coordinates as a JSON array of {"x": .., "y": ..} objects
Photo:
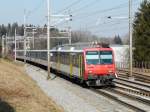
[
  {"x": 135, "y": 73},
  {"x": 137, "y": 92},
  {"x": 134, "y": 82},
  {"x": 137, "y": 109},
  {"x": 133, "y": 97},
  {"x": 141, "y": 90},
  {"x": 141, "y": 77}
]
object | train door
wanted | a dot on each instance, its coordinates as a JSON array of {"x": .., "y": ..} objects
[{"x": 81, "y": 66}]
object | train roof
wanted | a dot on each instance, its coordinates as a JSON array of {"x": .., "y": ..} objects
[{"x": 78, "y": 47}]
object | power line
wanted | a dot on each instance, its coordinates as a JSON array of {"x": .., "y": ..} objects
[
  {"x": 68, "y": 7},
  {"x": 89, "y": 15},
  {"x": 97, "y": 20},
  {"x": 120, "y": 6},
  {"x": 111, "y": 28},
  {"x": 35, "y": 9},
  {"x": 86, "y": 15},
  {"x": 87, "y": 5},
  {"x": 104, "y": 23},
  {"x": 104, "y": 10}
]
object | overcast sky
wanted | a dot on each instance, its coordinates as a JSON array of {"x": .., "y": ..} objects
[{"x": 89, "y": 15}]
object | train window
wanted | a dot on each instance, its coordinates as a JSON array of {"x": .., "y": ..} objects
[
  {"x": 65, "y": 58},
  {"x": 74, "y": 60},
  {"x": 62, "y": 58},
  {"x": 54, "y": 57},
  {"x": 92, "y": 57},
  {"x": 51, "y": 54},
  {"x": 99, "y": 57},
  {"x": 106, "y": 57}
]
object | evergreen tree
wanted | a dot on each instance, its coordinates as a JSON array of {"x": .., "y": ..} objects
[
  {"x": 14, "y": 26},
  {"x": 141, "y": 32},
  {"x": 21, "y": 30},
  {"x": 9, "y": 29},
  {"x": 117, "y": 40},
  {"x": 3, "y": 30}
]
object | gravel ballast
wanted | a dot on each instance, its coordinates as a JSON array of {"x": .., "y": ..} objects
[{"x": 72, "y": 97}]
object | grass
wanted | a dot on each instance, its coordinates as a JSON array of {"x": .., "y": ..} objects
[{"x": 20, "y": 93}]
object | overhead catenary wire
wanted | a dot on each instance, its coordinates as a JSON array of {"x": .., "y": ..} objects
[
  {"x": 78, "y": 16},
  {"x": 86, "y": 5},
  {"x": 111, "y": 28},
  {"x": 107, "y": 20},
  {"x": 81, "y": 16},
  {"x": 95, "y": 26},
  {"x": 69, "y": 6},
  {"x": 36, "y": 8},
  {"x": 104, "y": 10},
  {"x": 29, "y": 13},
  {"x": 110, "y": 23}
]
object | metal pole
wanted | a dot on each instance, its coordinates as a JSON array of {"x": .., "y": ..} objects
[
  {"x": 15, "y": 44},
  {"x": 69, "y": 35},
  {"x": 3, "y": 47},
  {"x": 48, "y": 40},
  {"x": 69, "y": 26},
  {"x": 130, "y": 36},
  {"x": 6, "y": 50},
  {"x": 33, "y": 39},
  {"x": 24, "y": 37}
]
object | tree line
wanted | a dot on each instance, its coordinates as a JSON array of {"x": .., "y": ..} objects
[
  {"x": 9, "y": 29},
  {"x": 141, "y": 33},
  {"x": 77, "y": 36}
]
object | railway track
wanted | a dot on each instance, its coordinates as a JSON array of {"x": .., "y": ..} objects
[
  {"x": 122, "y": 92},
  {"x": 127, "y": 100},
  {"x": 135, "y": 82},
  {"x": 133, "y": 87},
  {"x": 129, "y": 94},
  {"x": 137, "y": 76},
  {"x": 132, "y": 94}
]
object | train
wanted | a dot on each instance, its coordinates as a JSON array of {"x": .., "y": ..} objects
[{"x": 93, "y": 65}]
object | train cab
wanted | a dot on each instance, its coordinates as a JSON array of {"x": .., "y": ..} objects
[{"x": 99, "y": 66}]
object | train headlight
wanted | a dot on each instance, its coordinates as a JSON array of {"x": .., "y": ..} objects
[
  {"x": 90, "y": 71},
  {"x": 110, "y": 71}
]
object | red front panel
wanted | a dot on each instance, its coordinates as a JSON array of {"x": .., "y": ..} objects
[{"x": 98, "y": 69}]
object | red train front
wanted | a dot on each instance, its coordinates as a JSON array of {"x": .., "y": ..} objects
[{"x": 99, "y": 66}]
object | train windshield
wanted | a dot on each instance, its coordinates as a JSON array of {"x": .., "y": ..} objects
[
  {"x": 106, "y": 57},
  {"x": 99, "y": 57},
  {"x": 92, "y": 57}
]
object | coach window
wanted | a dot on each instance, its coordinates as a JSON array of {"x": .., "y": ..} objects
[
  {"x": 65, "y": 58},
  {"x": 76, "y": 61},
  {"x": 52, "y": 57},
  {"x": 62, "y": 58},
  {"x": 68, "y": 58}
]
